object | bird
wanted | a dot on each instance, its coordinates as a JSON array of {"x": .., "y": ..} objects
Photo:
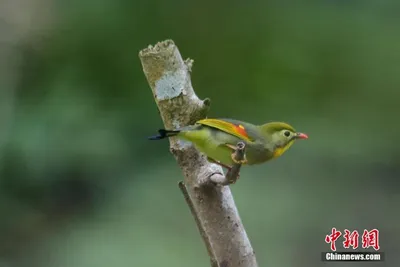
[{"x": 217, "y": 139}]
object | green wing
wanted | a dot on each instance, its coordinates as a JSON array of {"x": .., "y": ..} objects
[{"x": 234, "y": 129}]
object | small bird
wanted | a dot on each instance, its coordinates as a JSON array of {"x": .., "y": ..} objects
[{"x": 217, "y": 139}]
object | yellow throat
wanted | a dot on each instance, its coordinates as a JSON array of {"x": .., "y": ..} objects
[{"x": 280, "y": 150}]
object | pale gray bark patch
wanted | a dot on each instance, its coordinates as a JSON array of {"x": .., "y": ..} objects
[{"x": 171, "y": 85}]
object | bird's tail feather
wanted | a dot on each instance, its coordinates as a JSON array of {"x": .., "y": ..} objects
[{"x": 162, "y": 133}]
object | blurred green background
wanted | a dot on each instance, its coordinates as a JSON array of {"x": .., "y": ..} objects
[{"x": 81, "y": 186}]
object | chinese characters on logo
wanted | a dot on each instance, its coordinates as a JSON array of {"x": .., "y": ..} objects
[
  {"x": 369, "y": 239},
  {"x": 351, "y": 239}
]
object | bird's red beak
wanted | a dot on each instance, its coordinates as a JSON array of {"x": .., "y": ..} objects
[{"x": 301, "y": 136}]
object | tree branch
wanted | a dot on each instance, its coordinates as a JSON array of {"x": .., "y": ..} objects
[{"x": 212, "y": 205}]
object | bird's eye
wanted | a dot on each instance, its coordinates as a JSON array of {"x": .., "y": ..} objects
[{"x": 287, "y": 133}]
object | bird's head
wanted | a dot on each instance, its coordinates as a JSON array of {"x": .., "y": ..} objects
[{"x": 281, "y": 135}]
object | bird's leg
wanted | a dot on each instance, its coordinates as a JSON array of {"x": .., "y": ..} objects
[
  {"x": 219, "y": 163},
  {"x": 238, "y": 156},
  {"x": 242, "y": 161}
]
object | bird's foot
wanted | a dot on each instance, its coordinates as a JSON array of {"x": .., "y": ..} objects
[{"x": 241, "y": 162}]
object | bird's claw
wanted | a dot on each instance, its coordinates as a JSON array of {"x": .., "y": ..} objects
[{"x": 241, "y": 162}]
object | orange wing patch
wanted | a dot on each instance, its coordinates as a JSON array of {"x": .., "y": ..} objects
[
  {"x": 228, "y": 127},
  {"x": 241, "y": 130}
]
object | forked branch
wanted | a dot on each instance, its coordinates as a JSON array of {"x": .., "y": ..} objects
[{"x": 212, "y": 205}]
